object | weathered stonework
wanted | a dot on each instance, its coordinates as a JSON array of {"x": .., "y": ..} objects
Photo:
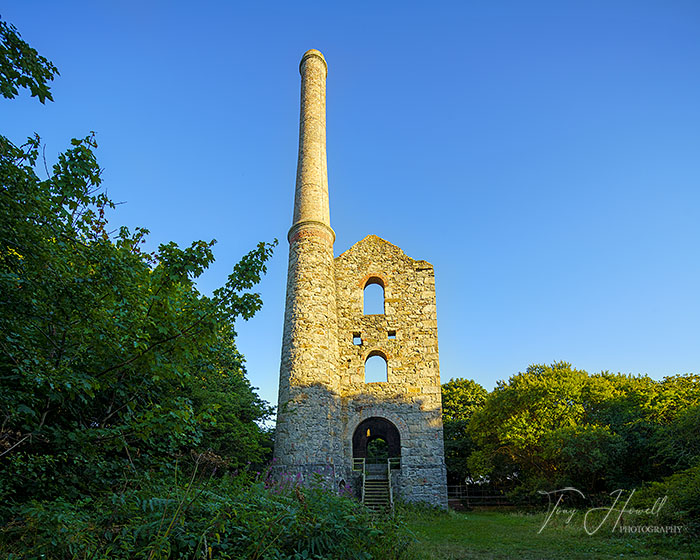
[
  {"x": 410, "y": 399},
  {"x": 325, "y": 405}
]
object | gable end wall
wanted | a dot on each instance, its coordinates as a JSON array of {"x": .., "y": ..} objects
[{"x": 411, "y": 396}]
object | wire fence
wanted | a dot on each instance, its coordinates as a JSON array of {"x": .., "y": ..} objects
[
  {"x": 473, "y": 495},
  {"x": 468, "y": 496}
]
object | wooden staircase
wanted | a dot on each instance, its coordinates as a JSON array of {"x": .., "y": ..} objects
[{"x": 377, "y": 491}]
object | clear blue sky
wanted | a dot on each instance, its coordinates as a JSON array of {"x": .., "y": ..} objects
[{"x": 544, "y": 156}]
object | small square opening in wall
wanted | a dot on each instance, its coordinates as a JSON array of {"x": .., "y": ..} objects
[
  {"x": 357, "y": 339},
  {"x": 391, "y": 335}
]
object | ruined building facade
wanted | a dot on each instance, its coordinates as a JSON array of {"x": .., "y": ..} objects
[{"x": 327, "y": 414}]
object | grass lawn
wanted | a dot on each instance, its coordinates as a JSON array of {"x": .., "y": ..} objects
[{"x": 491, "y": 534}]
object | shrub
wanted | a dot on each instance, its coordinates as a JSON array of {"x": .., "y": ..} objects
[
  {"x": 682, "y": 506},
  {"x": 205, "y": 517}
]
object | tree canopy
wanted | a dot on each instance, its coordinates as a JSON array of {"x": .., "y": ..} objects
[
  {"x": 111, "y": 360},
  {"x": 553, "y": 426},
  {"x": 461, "y": 398}
]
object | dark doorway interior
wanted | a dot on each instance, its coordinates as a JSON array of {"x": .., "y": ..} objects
[
  {"x": 377, "y": 451},
  {"x": 376, "y": 439}
]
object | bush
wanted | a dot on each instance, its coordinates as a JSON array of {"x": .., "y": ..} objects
[
  {"x": 205, "y": 517},
  {"x": 682, "y": 506}
]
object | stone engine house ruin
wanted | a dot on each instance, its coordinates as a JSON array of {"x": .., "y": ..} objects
[{"x": 384, "y": 438}]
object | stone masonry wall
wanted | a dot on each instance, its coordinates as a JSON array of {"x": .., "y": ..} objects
[
  {"x": 308, "y": 416},
  {"x": 323, "y": 396},
  {"x": 410, "y": 398}
]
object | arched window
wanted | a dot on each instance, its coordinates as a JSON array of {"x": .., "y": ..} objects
[
  {"x": 373, "y": 297},
  {"x": 376, "y": 368}
]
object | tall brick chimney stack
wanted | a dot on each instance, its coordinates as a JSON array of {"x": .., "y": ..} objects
[{"x": 308, "y": 428}]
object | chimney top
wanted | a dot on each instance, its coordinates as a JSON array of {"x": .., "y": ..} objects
[{"x": 310, "y": 53}]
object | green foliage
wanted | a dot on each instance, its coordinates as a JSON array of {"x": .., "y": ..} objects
[
  {"x": 377, "y": 451},
  {"x": 460, "y": 399},
  {"x": 222, "y": 391},
  {"x": 555, "y": 426},
  {"x": 110, "y": 356},
  {"x": 22, "y": 67},
  {"x": 682, "y": 507},
  {"x": 111, "y": 362},
  {"x": 583, "y": 456},
  {"x": 204, "y": 517},
  {"x": 518, "y": 417},
  {"x": 679, "y": 441}
]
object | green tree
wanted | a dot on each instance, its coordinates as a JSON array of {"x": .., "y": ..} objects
[
  {"x": 110, "y": 359},
  {"x": 22, "y": 67},
  {"x": 624, "y": 404},
  {"x": 534, "y": 429},
  {"x": 519, "y": 414},
  {"x": 554, "y": 426},
  {"x": 460, "y": 399},
  {"x": 676, "y": 395},
  {"x": 221, "y": 390},
  {"x": 648, "y": 416},
  {"x": 679, "y": 441},
  {"x": 377, "y": 451}
]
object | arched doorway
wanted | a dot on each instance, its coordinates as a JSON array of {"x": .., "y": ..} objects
[{"x": 376, "y": 440}]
